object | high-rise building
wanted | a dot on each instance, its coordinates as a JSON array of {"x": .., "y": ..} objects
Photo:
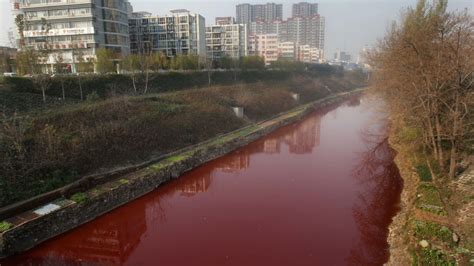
[
  {"x": 265, "y": 27},
  {"x": 305, "y": 27},
  {"x": 244, "y": 13},
  {"x": 304, "y": 31},
  {"x": 342, "y": 56},
  {"x": 68, "y": 29},
  {"x": 247, "y": 13},
  {"x": 305, "y": 9},
  {"x": 180, "y": 33},
  {"x": 226, "y": 39}
]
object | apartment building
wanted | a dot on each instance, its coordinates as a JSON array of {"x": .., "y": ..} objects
[
  {"x": 265, "y": 27},
  {"x": 305, "y": 9},
  {"x": 226, "y": 39},
  {"x": 309, "y": 54},
  {"x": 288, "y": 51},
  {"x": 179, "y": 33},
  {"x": 305, "y": 27},
  {"x": 304, "y": 31},
  {"x": 246, "y": 13},
  {"x": 69, "y": 29},
  {"x": 266, "y": 46}
]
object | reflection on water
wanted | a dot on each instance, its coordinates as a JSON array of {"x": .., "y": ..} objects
[{"x": 318, "y": 192}]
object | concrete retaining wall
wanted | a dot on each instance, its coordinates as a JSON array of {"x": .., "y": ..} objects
[{"x": 111, "y": 195}]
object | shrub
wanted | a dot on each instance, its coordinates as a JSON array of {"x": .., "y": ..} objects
[
  {"x": 79, "y": 197},
  {"x": 424, "y": 173},
  {"x": 4, "y": 226}
]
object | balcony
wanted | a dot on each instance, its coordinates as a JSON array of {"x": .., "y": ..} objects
[
  {"x": 67, "y": 16},
  {"x": 54, "y": 3},
  {"x": 59, "y": 32}
]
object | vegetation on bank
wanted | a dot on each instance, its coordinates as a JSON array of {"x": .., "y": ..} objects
[
  {"x": 46, "y": 149},
  {"x": 424, "y": 68}
]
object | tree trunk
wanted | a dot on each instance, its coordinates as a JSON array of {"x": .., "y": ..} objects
[
  {"x": 432, "y": 139},
  {"x": 134, "y": 84},
  {"x": 146, "y": 82},
  {"x": 452, "y": 163},
  {"x": 43, "y": 91},
  {"x": 62, "y": 88},
  {"x": 439, "y": 143},
  {"x": 80, "y": 89}
]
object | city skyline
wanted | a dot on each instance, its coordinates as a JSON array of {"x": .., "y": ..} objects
[{"x": 349, "y": 24}]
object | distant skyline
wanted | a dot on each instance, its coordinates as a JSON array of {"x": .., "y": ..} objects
[{"x": 350, "y": 24}]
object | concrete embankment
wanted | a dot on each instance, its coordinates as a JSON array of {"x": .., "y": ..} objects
[{"x": 35, "y": 226}]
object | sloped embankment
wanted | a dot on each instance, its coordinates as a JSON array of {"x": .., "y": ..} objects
[{"x": 434, "y": 226}]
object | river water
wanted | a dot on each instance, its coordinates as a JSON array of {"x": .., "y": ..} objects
[{"x": 322, "y": 191}]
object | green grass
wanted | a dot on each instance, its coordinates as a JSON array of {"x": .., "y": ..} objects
[
  {"x": 429, "y": 199},
  {"x": 4, "y": 226},
  {"x": 432, "y": 231},
  {"x": 424, "y": 173},
  {"x": 124, "y": 181},
  {"x": 79, "y": 197},
  {"x": 428, "y": 256}
]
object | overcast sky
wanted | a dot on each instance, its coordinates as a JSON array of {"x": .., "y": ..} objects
[{"x": 349, "y": 23}]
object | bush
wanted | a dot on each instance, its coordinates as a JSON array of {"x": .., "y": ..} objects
[
  {"x": 79, "y": 197},
  {"x": 4, "y": 226},
  {"x": 424, "y": 173}
]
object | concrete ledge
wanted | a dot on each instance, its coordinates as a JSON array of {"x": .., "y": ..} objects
[{"x": 35, "y": 226}]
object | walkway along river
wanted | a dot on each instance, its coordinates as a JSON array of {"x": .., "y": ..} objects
[{"x": 322, "y": 191}]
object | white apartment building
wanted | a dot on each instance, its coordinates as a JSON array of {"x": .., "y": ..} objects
[
  {"x": 180, "y": 33},
  {"x": 266, "y": 46},
  {"x": 288, "y": 51},
  {"x": 226, "y": 39},
  {"x": 68, "y": 29},
  {"x": 309, "y": 54}
]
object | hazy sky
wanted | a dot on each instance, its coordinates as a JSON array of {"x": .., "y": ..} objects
[{"x": 349, "y": 23}]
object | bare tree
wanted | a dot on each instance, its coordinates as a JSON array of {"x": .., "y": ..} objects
[{"x": 424, "y": 68}]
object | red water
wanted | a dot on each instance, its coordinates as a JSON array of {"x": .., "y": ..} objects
[{"x": 320, "y": 192}]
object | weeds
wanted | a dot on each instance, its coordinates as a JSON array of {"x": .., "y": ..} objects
[
  {"x": 4, "y": 226},
  {"x": 79, "y": 198}
]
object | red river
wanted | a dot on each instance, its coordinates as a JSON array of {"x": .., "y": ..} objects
[{"x": 322, "y": 191}]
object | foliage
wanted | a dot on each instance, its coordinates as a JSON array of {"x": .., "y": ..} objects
[
  {"x": 429, "y": 199},
  {"x": 92, "y": 97},
  {"x": 424, "y": 69},
  {"x": 79, "y": 197},
  {"x": 432, "y": 231},
  {"x": 435, "y": 257},
  {"x": 27, "y": 61},
  {"x": 423, "y": 172},
  {"x": 104, "y": 61},
  {"x": 4, "y": 226},
  {"x": 289, "y": 65},
  {"x": 252, "y": 62}
]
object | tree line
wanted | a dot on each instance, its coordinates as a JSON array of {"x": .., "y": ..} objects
[{"x": 424, "y": 68}]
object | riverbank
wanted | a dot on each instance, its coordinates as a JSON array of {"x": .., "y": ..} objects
[
  {"x": 35, "y": 226},
  {"x": 435, "y": 223},
  {"x": 46, "y": 150}
]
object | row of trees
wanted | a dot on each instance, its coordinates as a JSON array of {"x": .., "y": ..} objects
[{"x": 424, "y": 68}]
